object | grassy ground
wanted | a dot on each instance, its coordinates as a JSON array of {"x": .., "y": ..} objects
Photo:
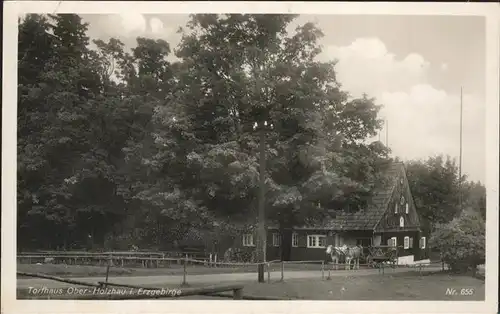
[
  {"x": 397, "y": 286},
  {"x": 408, "y": 286},
  {"x": 403, "y": 286}
]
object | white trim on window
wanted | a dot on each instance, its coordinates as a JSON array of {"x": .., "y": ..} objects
[
  {"x": 407, "y": 209},
  {"x": 295, "y": 239},
  {"x": 276, "y": 239},
  {"x": 422, "y": 242},
  {"x": 406, "y": 243},
  {"x": 248, "y": 239},
  {"x": 316, "y": 241}
]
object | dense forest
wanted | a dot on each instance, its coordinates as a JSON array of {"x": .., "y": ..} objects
[{"x": 119, "y": 148}]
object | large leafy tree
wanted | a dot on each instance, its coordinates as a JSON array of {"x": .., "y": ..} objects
[
  {"x": 35, "y": 48},
  {"x": 152, "y": 197},
  {"x": 66, "y": 160},
  {"x": 436, "y": 189},
  {"x": 462, "y": 241},
  {"x": 474, "y": 197},
  {"x": 241, "y": 70}
]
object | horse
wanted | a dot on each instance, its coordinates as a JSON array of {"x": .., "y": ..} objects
[
  {"x": 336, "y": 253},
  {"x": 354, "y": 254},
  {"x": 350, "y": 254}
]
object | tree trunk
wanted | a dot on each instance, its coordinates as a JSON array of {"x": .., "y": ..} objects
[{"x": 282, "y": 240}]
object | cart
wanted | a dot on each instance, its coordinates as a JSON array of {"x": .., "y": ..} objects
[{"x": 381, "y": 255}]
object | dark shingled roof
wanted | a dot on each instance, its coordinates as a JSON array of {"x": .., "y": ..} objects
[{"x": 365, "y": 219}]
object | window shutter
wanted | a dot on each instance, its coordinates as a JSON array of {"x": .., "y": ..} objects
[
  {"x": 295, "y": 239},
  {"x": 406, "y": 243},
  {"x": 422, "y": 243}
]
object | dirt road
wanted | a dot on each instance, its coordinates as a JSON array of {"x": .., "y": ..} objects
[{"x": 172, "y": 281}]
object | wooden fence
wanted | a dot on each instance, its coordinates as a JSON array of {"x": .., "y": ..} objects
[
  {"x": 129, "y": 259},
  {"x": 158, "y": 259}
]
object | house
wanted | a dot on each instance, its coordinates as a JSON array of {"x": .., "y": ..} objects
[{"x": 390, "y": 218}]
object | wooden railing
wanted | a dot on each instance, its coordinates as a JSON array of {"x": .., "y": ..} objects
[{"x": 146, "y": 259}]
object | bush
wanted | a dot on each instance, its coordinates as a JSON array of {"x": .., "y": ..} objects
[{"x": 461, "y": 242}]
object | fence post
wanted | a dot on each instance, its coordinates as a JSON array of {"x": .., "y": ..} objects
[
  {"x": 268, "y": 272},
  {"x": 322, "y": 270},
  {"x": 215, "y": 260},
  {"x": 107, "y": 274},
  {"x": 282, "y": 270},
  {"x": 184, "y": 271}
]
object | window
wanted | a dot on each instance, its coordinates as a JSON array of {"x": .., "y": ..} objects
[
  {"x": 393, "y": 241},
  {"x": 406, "y": 243},
  {"x": 248, "y": 239},
  {"x": 407, "y": 209},
  {"x": 295, "y": 239},
  {"x": 401, "y": 222},
  {"x": 396, "y": 208},
  {"x": 410, "y": 245},
  {"x": 316, "y": 241},
  {"x": 422, "y": 243},
  {"x": 276, "y": 239},
  {"x": 402, "y": 200}
]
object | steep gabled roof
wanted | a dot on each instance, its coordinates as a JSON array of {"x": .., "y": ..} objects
[{"x": 368, "y": 218}]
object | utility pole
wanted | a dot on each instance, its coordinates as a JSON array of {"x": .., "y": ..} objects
[
  {"x": 460, "y": 154},
  {"x": 386, "y": 132},
  {"x": 261, "y": 238}
]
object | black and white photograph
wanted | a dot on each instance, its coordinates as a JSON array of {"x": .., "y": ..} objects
[{"x": 223, "y": 153}]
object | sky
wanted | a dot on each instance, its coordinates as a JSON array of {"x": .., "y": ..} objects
[{"x": 414, "y": 66}]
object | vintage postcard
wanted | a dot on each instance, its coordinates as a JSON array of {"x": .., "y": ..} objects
[{"x": 250, "y": 156}]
